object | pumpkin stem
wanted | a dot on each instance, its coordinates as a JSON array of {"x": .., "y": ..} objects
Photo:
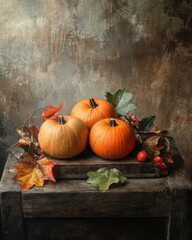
[
  {"x": 112, "y": 123},
  {"x": 61, "y": 120},
  {"x": 93, "y": 104}
]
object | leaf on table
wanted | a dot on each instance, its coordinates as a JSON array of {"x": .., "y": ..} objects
[
  {"x": 146, "y": 124},
  {"x": 30, "y": 173},
  {"x": 51, "y": 112},
  {"x": 158, "y": 144},
  {"x": 47, "y": 168},
  {"x": 103, "y": 178},
  {"x": 120, "y": 100}
]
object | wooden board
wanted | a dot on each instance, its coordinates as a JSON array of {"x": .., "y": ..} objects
[
  {"x": 77, "y": 168},
  {"x": 96, "y": 228},
  {"x": 79, "y": 209}
]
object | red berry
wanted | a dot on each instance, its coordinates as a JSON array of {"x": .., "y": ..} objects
[
  {"x": 162, "y": 165},
  {"x": 158, "y": 159},
  {"x": 142, "y": 156},
  {"x": 41, "y": 152}
]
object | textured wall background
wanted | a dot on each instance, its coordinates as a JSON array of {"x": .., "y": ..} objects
[{"x": 66, "y": 50}]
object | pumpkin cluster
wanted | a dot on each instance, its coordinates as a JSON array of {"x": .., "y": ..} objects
[{"x": 93, "y": 122}]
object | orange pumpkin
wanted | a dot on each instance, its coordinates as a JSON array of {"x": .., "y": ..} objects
[
  {"x": 111, "y": 138},
  {"x": 93, "y": 110},
  {"x": 64, "y": 138}
]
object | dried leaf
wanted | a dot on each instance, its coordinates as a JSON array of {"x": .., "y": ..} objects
[
  {"x": 168, "y": 157},
  {"x": 51, "y": 112},
  {"x": 34, "y": 131},
  {"x": 166, "y": 144},
  {"x": 121, "y": 101},
  {"x": 24, "y": 141},
  {"x": 103, "y": 178},
  {"x": 30, "y": 173},
  {"x": 152, "y": 141},
  {"x": 23, "y": 131}
]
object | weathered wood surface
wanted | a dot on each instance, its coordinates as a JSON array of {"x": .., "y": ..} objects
[
  {"x": 97, "y": 229},
  {"x": 78, "y": 167},
  {"x": 64, "y": 51},
  {"x": 180, "y": 216},
  {"x": 11, "y": 206},
  {"x": 76, "y": 198},
  {"x": 71, "y": 199}
]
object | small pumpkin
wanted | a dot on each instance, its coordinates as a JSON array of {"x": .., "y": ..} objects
[
  {"x": 92, "y": 110},
  {"x": 111, "y": 138},
  {"x": 63, "y": 138}
]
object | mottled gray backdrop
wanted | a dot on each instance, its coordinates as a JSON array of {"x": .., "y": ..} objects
[{"x": 66, "y": 50}]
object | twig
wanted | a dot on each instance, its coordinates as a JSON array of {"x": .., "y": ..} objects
[
  {"x": 135, "y": 128},
  {"x": 13, "y": 154},
  {"x": 23, "y": 124}
]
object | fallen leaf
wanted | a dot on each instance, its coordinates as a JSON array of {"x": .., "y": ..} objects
[
  {"x": 47, "y": 167},
  {"x": 30, "y": 173},
  {"x": 103, "y": 178}
]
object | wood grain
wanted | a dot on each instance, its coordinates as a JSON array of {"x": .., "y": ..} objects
[
  {"x": 96, "y": 229},
  {"x": 73, "y": 203},
  {"x": 78, "y": 167}
]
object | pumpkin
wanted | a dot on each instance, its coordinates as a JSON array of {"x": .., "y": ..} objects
[
  {"x": 93, "y": 110},
  {"x": 63, "y": 138},
  {"x": 111, "y": 138}
]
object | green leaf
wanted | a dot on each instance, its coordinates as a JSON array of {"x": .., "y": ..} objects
[
  {"x": 146, "y": 124},
  {"x": 120, "y": 100},
  {"x": 104, "y": 177}
]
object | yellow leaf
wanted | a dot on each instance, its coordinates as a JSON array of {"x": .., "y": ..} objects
[{"x": 30, "y": 173}]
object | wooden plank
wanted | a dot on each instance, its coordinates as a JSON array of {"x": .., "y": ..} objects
[
  {"x": 76, "y": 198},
  {"x": 180, "y": 216},
  {"x": 96, "y": 228},
  {"x": 78, "y": 168},
  {"x": 11, "y": 207}
]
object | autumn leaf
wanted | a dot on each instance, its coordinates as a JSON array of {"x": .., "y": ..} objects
[
  {"x": 146, "y": 124},
  {"x": 29, "y": 139},
  {"x": 151, "y": 143},
  {"x": 120, "y": 100},
  {"x": 30, "y": 173},
  {"x": 168, "y": 157},
  {"x": 46, "y": 168},
  {"x": 103, "y": 178},
  {"x": 51, "y": 112}
]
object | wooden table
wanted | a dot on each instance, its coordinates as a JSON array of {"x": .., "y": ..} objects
[{"x": 144, "y": 208}]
